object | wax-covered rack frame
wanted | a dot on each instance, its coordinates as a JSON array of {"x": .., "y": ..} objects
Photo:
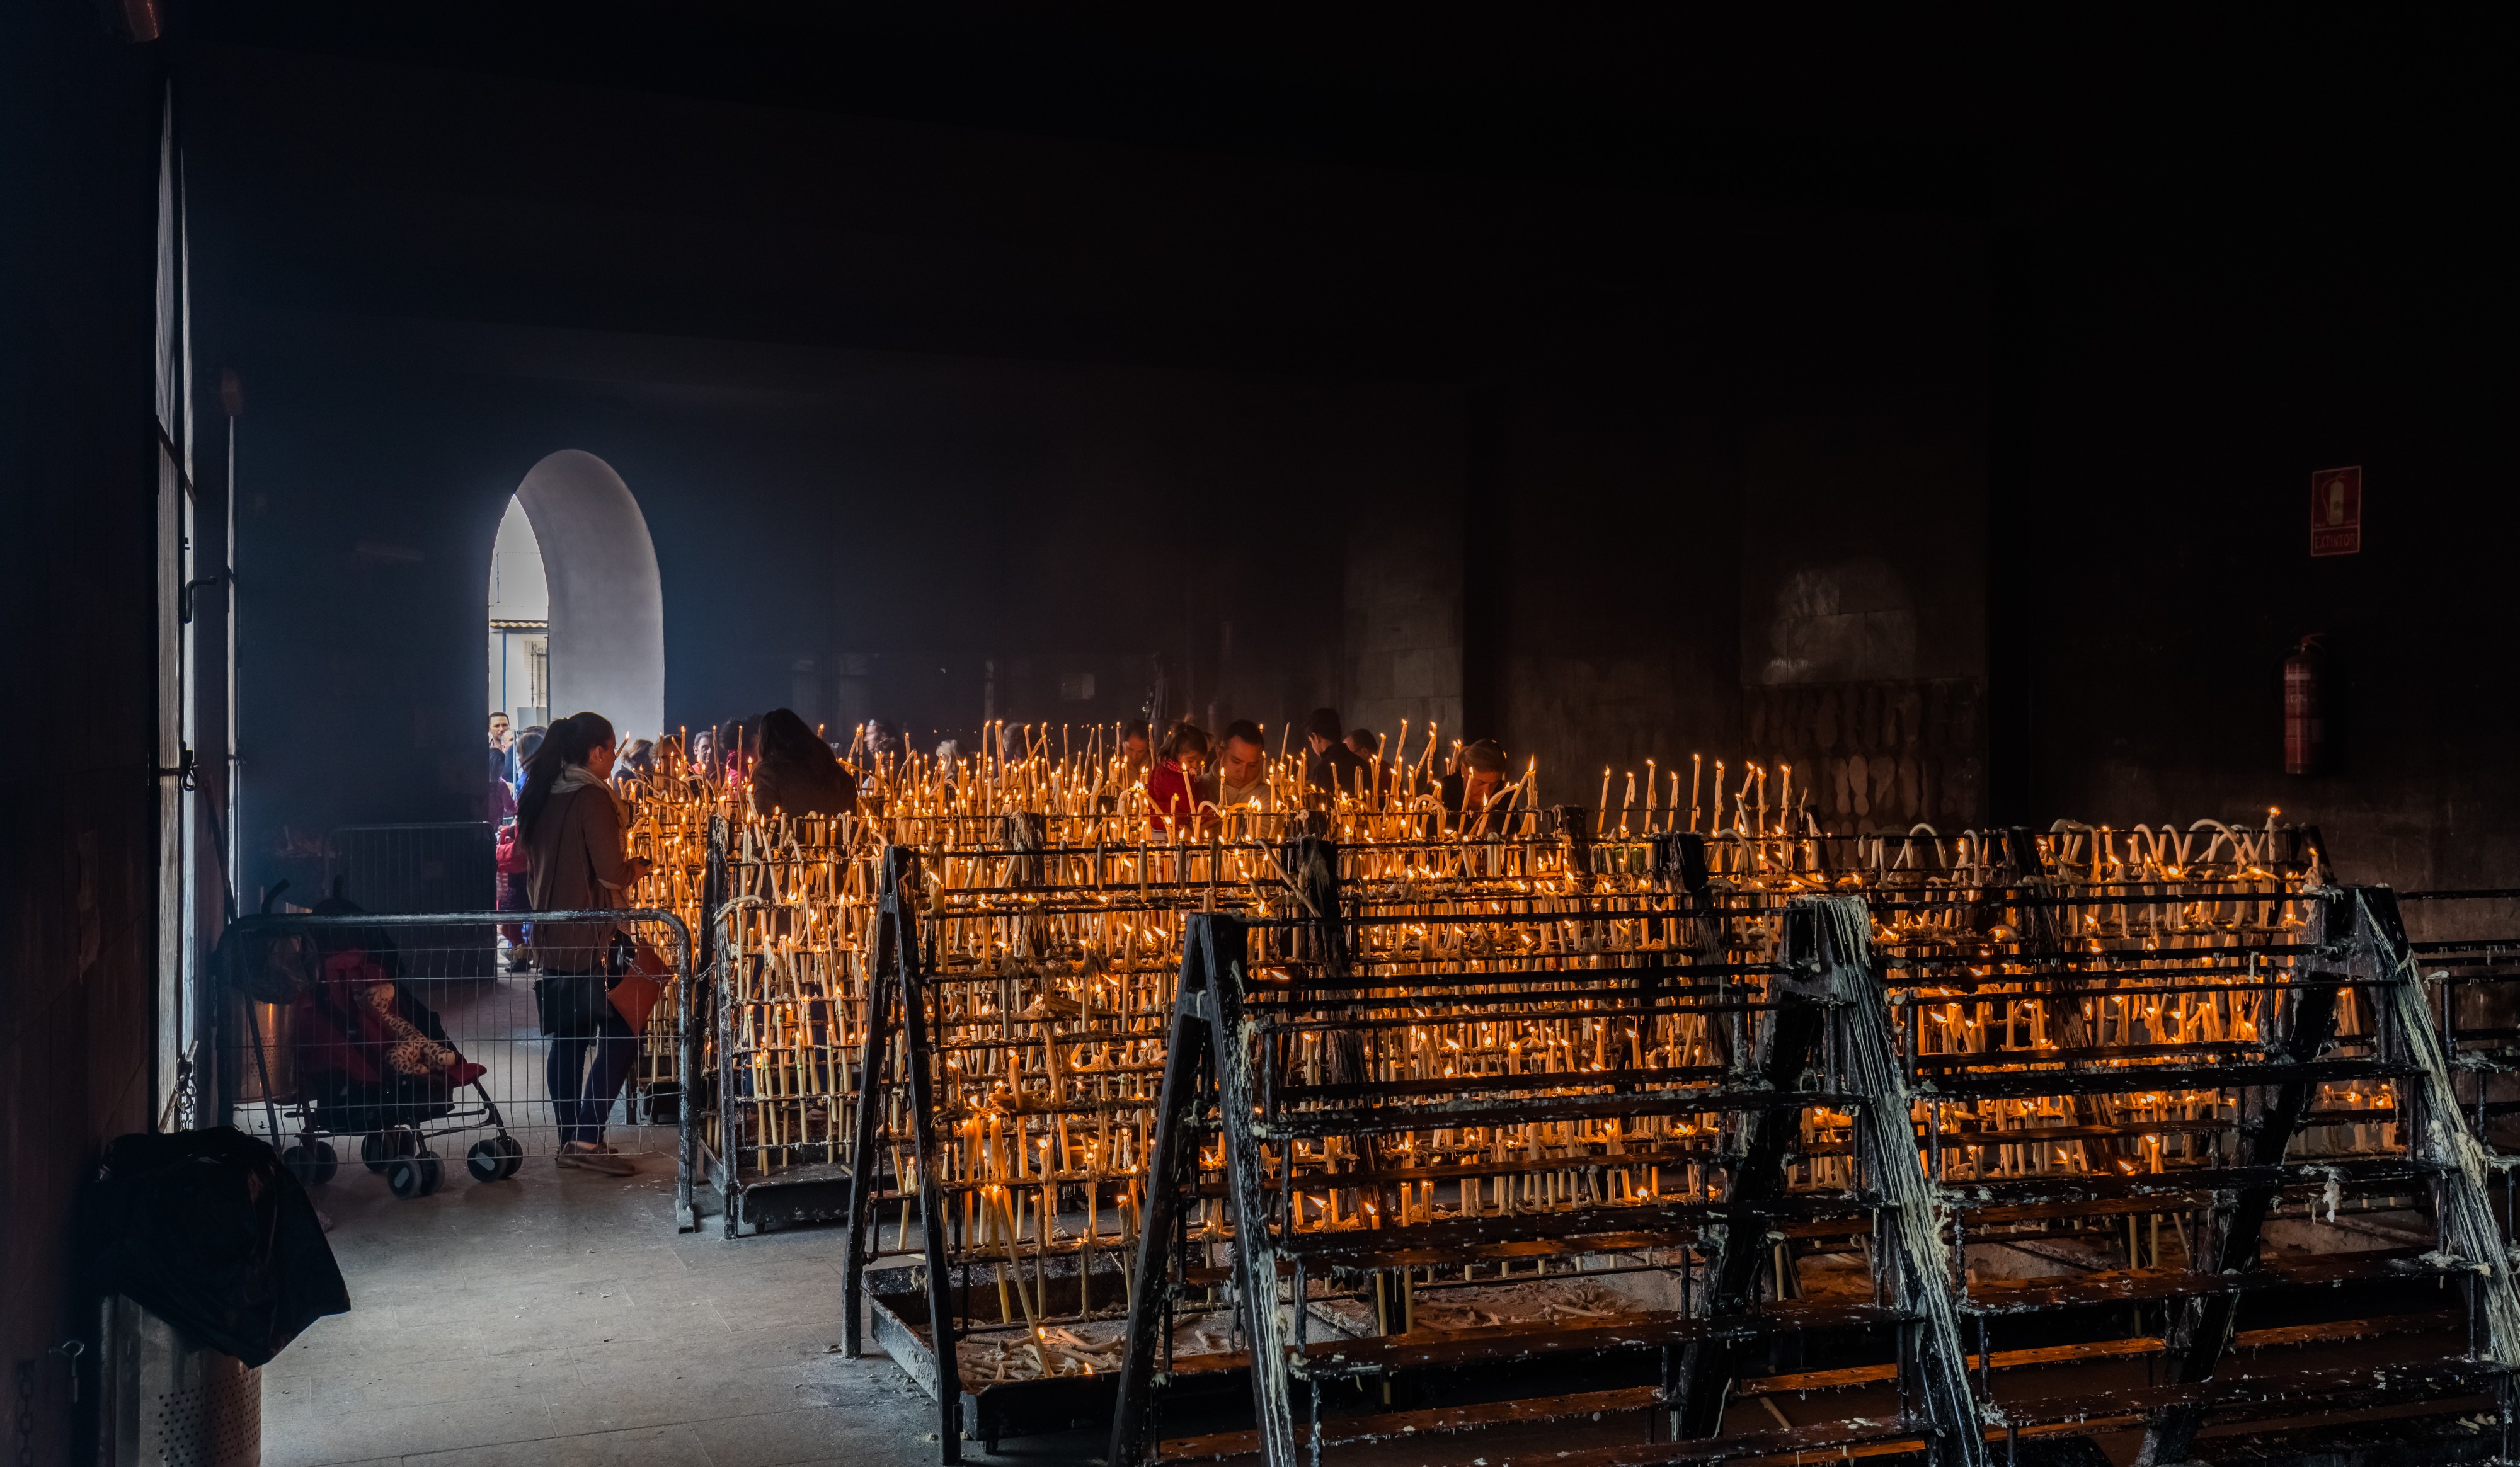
[
  {"x": 1019, "y": 1010},
  {"x": 2468, "y": 945},
  {"x": 1672, "y": 899},
  {"x": 1547, "y": 1208},
  {"x": 1034, "y": 955},
  {"x": 1568, "y": 899},
  {"x": 792, "y": 937},
  {"x": 671, "y": 811},
  {"x": 2166, "y": 928},
  {"x": 2167, "y": 1115}
]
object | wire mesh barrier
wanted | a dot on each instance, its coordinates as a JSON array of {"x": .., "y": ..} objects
[{"x": 394, "y": 1040}]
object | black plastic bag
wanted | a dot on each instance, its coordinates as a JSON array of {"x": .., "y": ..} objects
[{"x": 207, "y": 1230}]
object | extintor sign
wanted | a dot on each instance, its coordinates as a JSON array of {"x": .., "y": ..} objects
[{"x": 2336, "y": 512}]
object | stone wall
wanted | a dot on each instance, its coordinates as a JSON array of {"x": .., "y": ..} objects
[
  {"x": 1874, "y": 755},
  {"x": 1403, "y": 643}
]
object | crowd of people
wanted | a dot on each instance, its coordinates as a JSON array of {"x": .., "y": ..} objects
[
  {"x": 563, "y": 847},
  {"x": 1196, "y": 778}
]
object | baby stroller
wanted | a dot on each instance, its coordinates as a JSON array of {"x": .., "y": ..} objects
[{"x": 369, "y": 1060}]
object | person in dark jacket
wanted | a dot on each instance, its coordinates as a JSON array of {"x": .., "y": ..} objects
[
  {"x": 739, "y": 743},
  {"x": 1330, "y": 764},
  {"x": 797, "y": 774},
  {"x": 572, "y": 833},
  {"x": 521, "y": 753},
  {"x": 1478, "y": 791},
  {"x": 635, "y": 760}
]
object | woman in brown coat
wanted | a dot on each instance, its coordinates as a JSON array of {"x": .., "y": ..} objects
[{"x": 571, "y": 833}]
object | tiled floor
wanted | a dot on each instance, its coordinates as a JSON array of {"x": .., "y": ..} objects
[{"x": 557, "y": 1318}]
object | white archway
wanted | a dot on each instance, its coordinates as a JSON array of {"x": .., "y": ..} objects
[{"x": 608, "y": 602}]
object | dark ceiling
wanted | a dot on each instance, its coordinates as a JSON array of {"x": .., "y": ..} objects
[
  {"x": 1389, "y": 191},
  {"x": 1943, "y": 108}
]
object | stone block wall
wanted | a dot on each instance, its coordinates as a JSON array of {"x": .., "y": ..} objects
[
  {"x": 1403, "y": 633},
  {"x": 1877, "y": 755}
]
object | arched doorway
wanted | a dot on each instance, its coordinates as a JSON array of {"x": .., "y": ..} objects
[
  {"x": 574, "y": 527},
  {"x": 519, "y": 623}
]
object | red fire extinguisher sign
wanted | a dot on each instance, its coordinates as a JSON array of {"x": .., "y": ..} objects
[{"x": 2336, "y": 512}]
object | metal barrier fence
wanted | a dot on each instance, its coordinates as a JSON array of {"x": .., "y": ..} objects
[{"x": 394, "y": 1033}]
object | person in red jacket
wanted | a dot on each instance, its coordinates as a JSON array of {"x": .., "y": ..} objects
[{"x": 1177, "y": 787}]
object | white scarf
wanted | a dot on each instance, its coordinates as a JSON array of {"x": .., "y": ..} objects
[{"x": 574, "y": 779}]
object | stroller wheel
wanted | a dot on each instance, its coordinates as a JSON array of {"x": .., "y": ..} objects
[
  {"x": 486, "y": 1161},
  {"x": 510, "y": 1150},
  {"x": 314, "y": 1162},
  {"x": 380, "y": 1150},
  {"x": 415, "y": 1175}
]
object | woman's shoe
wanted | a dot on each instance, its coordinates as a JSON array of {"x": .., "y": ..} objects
[{"x": 591, "y": 1156}]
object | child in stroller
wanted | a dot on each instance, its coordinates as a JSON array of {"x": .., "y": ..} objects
[
  {"x": 374, "y": 1061},
  {"x": 372, "y": 1055}
]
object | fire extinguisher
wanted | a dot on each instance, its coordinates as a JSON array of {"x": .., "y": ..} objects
[{"x": 2304, "y": 727}]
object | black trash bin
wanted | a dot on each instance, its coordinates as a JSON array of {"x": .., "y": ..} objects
[{"x": 208, "y": 1231}]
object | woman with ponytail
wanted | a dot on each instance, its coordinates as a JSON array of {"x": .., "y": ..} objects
[{"x": 572, "y": 835}]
